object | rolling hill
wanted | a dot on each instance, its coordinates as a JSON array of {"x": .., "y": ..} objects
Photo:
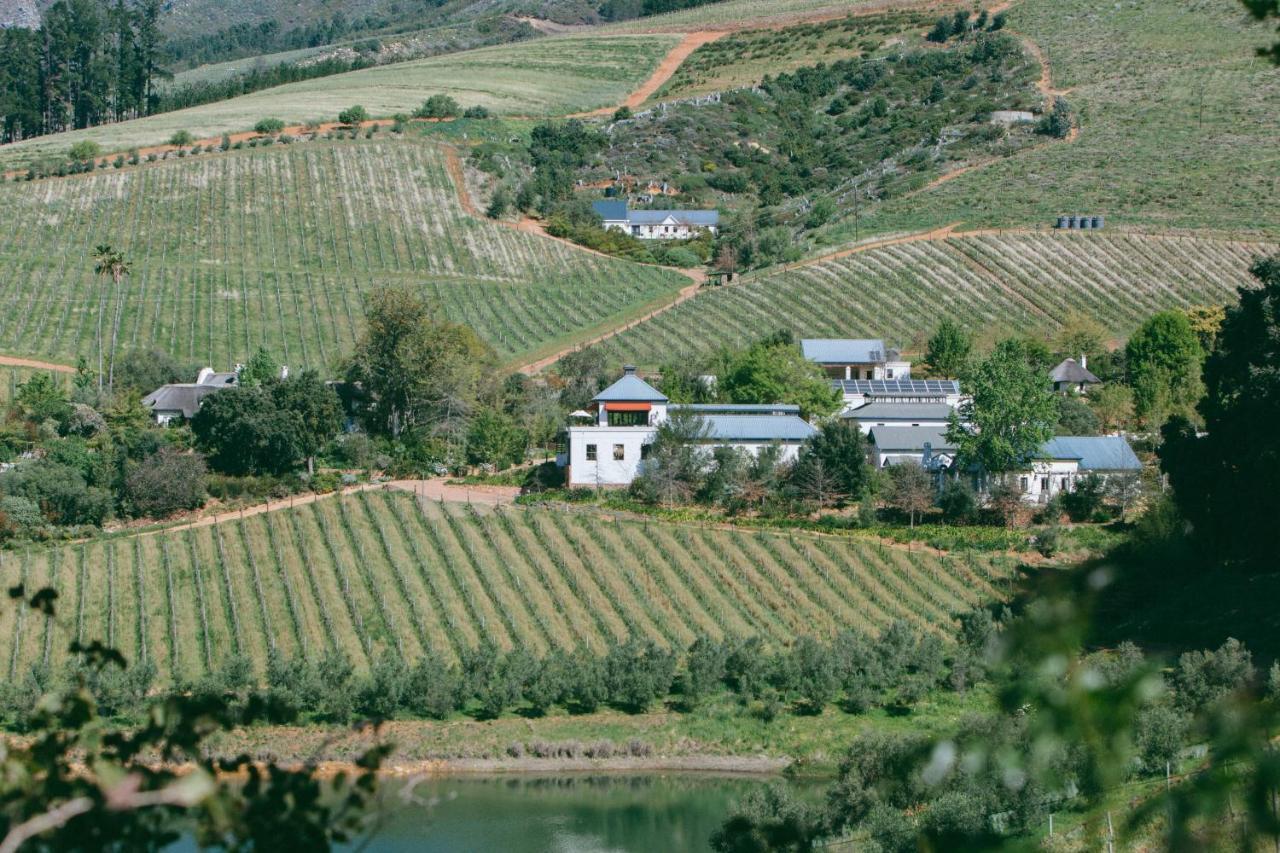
[
  {"x": 996, "y": 283},
  {"x": 379, "y": 571},
  {"x": 275, "y": 247}
]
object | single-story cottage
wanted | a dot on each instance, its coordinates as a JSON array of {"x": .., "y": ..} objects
[
  {"x": 936, "y": 415},
  {"x": 656, "y": 224},
  {"x": 1066, "y": 459},
  {"x": 180, "y": 401},
  {"x": 912, "y": 445},
  {"x": 612, "y": 448},
  {"x": 1071, "y": 375}
]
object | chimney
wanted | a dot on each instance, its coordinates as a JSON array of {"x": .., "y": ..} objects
[
  {"x": 284, "y": 371},
  {"x": 1084, "y": 362},
  {"x": 629, "y": 370}
]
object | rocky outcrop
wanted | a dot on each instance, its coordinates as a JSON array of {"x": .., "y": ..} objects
[{"x": 19, "y": 13}]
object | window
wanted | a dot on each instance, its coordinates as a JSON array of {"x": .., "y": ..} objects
[
  {"x": 628, "y": 419},
  {"x": 888, "y": 374},
  {"x": 1044, "y": 484},
  {"x": 591, "y": 453},
  {"x": 619, "y": 452},
  {"x": 1025, "y": 483},
  {"x": 645, "y": 450}
]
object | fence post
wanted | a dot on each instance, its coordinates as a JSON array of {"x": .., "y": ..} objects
[
  {"x": 1111, "y": 835},
  {"x": 1050, "y": 824}
]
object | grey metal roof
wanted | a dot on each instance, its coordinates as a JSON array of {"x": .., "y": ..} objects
[
  {"x": 1095, "y": 452},
  {"x": 610, "y": 210},
  {"x": 898, "y": 387},
  {"x": 682, "y": 217},
  {"x": 900, "y": 412},
  {"x": 221, "y": 380},
  {"x": 910, "y": 438},
  {"x": 184, "y": 398},
  {"x": 630, "y": 389},
  {"x": 1071, "y": 371},
  {"x": 738, "y": 408},
  {"x": 843, "y": 350},
  {"x": 757, "y": 428}
]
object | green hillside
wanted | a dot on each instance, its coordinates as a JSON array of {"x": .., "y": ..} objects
[
  {"x": 1178, "y": 126},
  {"x": 543, "y": 78},
  {"x": 379, "y": 571},
  {"x": 275, "y": 246},
  {"x": 994, "y": 284}
]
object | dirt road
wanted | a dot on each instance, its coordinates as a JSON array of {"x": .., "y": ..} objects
[{"x": 14, "y": 361}]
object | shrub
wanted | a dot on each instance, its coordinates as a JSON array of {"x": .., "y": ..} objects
[
  {"x": 84, "y": 150},
  {"x": 1204, "y": 677},
  {"x": 432, "y": 687},
  {"x": 353, "y": 116},
  {"x": 622, "y": 113},
  {"x": 269, "y": 126},
  {"x": 181, "y": 139},
  {"x": 166, "y": 482},
  {"x": 437, "y": 107},
  {"x": 477, "y": 112},
  {"x": 1085, "y": 500},
  {"x": 637, "y": 673}
]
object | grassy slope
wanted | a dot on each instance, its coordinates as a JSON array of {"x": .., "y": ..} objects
[
  {"x": 735, "y": 14},
  {"x": 276, "y": 246},
  {"x": 545, "y": 77},
  {"x": 376, "y": 572},
  {"x": 992, "y": 284},
  {"x": 1135, "y": 71}
]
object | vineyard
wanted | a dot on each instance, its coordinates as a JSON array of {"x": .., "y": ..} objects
[
  {"x": 276, "y": 247},
  {"x": 538, "y": 78},
  {"x": 992, "y": 284},
  {"x": 380, "y": 571}
]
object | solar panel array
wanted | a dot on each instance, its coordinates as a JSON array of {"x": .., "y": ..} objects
[{"x": 895, "y": 387}]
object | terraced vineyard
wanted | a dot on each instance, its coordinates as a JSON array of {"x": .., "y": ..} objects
[
  {"x": 992, "y": 284},
  {"x": 277, "y": 246},
  {"x": 375, "y": 571}
]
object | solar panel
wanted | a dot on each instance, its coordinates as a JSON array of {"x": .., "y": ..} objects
[{"x": 876, "y": 387}]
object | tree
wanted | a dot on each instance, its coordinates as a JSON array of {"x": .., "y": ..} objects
[
  {"x": 1075, "y": 417},
  {"x": 1164, "y": 359},
  {"x": 314, "y": 408},
  {"x": 494, "y": 438},
  {"x": 911, "y": 490},
  {"x": 1081, "y": 334},
  {"x": 436, "y": 107},
  {"x": 416, "y": 372},
  {"x": 674, "y": 470},
  {"x": 41, "y": 399},
  {"x": 941, "y": 30},
  {"x": 144, "y": 370},
  {"x": 166, "y": 482},
  {"x": 948, "y": 350},
  {"x": 84, "y": 150},
  {"x": 243, "y": 431},
  {"x": 499, "y": 204},
  {"x": 1113, "y": 404},
  {"x": 1058, "y": 122},
  {"x": 108, "y": 261},
  {"x": 181, "y": 139},
  {"x": 774, "y": 371},
  {"x": 269, "y": 126},
  {"x": 1206, "y": 322},
  {"x": 1011, "y": 413},
  {"x": 1224, "y": 480},
  {"x": 839, "y": 450},
  {"x": 261, "y": 368},
  {"x": 353, "y": 116}
]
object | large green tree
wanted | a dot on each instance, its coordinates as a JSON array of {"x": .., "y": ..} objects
[
  {"x": 1225, "y": 480},
  {"x": 837, "y": 458},
  {"x": 243, "y": 431},
  {"x": 948, "y": 350},
  {"x": 774, "y": 371},
  {"x": 418, "y": 372},
  {"x": 1009, "y": 415},
  {"x": 1163, "y": 358}
]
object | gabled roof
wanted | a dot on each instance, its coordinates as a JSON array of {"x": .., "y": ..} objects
[
  {"x": 611, "y": 210},
  {"x": 738, "y": 408},
  {"x": 1071, "y": 371},
  {"x": 843, "y": 350},
  {"x": 900, "y": 412},
  {"x": 909, "y": 438},
  {"x": 1095, "y": 452},
  {"x": 757, "y": 428},
  {"x": 701, "y": 218},
  {"x": 184, "y": 398},
  {"x": 898, "y": 387},
  {"x": 630, "y": 389}
]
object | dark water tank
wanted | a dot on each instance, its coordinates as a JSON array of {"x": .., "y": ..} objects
[
  {"x": 1071, "y": 222},
  {"x": 1062, "y": 222},
  {"x": 1084, "y": 223},
  {"x": 1098, "y": 222}
]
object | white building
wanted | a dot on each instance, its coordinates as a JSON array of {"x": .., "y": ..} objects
[
  {"x": 180, "y": 401},
  {"x": 1066, "y": 459},
  {"x": 914, "y": 445},
  {"x": 1072, "y": 375},
  {"x": 656, "y": 224},
  {"x": 611, "y": 449},
  {"x": 856, "y": 358},
  {"x": 884, "y": 414}
]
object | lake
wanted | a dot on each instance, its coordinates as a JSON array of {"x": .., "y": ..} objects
[{"x": 571, "y": 813}]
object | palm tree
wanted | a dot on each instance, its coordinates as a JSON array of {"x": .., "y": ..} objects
[{"x": 109, "y": 261}]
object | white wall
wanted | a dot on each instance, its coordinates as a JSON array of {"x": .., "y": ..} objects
[
  {"x": 1047, "y": 478},
  {"x": 867, "y": 425},
  {"x": 605, "y": 470}
]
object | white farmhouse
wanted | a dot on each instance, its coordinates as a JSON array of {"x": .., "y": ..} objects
[
  {"x": 856, "y": 358},
  {"x": 656, "y": 224},
  {"x": 180, "y": 401},
  {"x": 883, "y": 414},
  {"x": 1066, "y": 459},
  {"x": 861, "y": 392},
  {"x": 611, "y": 449},
  {"x": 913, "y": 445},
  {"x": 1073, "y": 376}
]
